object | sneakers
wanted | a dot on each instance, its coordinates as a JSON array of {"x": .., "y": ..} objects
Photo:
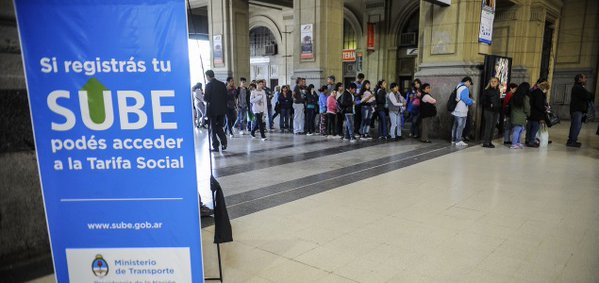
[
  {"x": 224, "y": 147},
  {"x": 490, "y": 145},
  {"x": 241, "y": 133},
  {"x": 214, "y": 149},
  {"x": 507, "y": 142},
  {"x": 253, "y": 135},
  {"x": 515, "y": 146},
  {"x": 309, "y": 134},
  {"x": 263, "y": 139},
  {"x": 231, "y": 136},
  {"x": 352, "y": 140},
  {"x": 461, "y": 143},
  {"x": 573, "y": 144}
]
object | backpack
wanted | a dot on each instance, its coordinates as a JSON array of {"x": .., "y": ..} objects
[{"x": 452, "y": 103}]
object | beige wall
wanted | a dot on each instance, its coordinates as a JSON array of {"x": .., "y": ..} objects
[{"x": 577, "y": 50}]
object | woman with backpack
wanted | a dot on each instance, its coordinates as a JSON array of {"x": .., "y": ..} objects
[
  {"x": 428, "y": 111},
  {"x": 519, "y": 109},
  {"x": 366, "y": 101},
  {"x": 413, "y": 97},
  {"x": 381, "y": 110},
  {"x": 491, "y": 107}
]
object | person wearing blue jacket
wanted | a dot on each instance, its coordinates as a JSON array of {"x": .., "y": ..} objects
[
  {"x": 461, "y": 111},
  {"x": 322, "y": 107}
]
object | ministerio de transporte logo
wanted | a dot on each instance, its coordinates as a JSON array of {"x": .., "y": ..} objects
[{"x": 100, "y": 266}]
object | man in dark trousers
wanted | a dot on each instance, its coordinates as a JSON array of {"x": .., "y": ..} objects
[
  {"x": 579, "y": 104},
  {"x": 216, "y": 99}
]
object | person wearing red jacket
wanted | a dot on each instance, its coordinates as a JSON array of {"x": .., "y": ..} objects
[{"x": 507, "y": 124}]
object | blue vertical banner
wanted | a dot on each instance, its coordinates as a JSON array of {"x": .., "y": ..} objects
[{"x": 109, "y": 93}]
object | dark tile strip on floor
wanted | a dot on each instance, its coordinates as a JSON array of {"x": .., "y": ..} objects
[
  {"x": 253, "y": 201},
  {"x": 229, "y": 154},
  {"x": 261, "y": 164}
]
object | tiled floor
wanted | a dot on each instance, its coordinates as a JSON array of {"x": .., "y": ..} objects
[{"x": 475, "y": 215}]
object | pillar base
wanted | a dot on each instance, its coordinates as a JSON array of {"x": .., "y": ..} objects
[{"x": 443, "y": 78}]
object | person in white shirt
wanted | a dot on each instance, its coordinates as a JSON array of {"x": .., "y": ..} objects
[
  {"x": 460, "y": 113},
  {"x": 258, "y": 98},
  {"x": 397, "y": 104}
]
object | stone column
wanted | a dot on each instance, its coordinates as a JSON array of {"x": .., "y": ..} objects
[
  {"x": 449, "y": 51},
  {"x": 326, "y": 16},
  {"x": 230, "y": 20}
]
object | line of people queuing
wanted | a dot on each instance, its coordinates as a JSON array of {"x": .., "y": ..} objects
[
  {"x": 525, "y": 108},
  {"x": 363, "y": 109}
]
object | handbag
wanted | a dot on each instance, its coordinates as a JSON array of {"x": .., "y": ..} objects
[
  {"x": 551, "y": 119},
  {"x": 543, "y": 136}
]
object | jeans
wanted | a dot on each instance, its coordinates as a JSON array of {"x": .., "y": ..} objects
[
  {"x": 349, "y": 126},
  {"x": 490, "y": 121},
  {"x": 382, "y": 123},
  {"x": 310, "y": 116},
  {"x": 259, "y": 124},
  {"x": 366, "y": 117},
  {"x": 459, "y": 123},
  {"x": 575, "y": 126},
  {"x": 331, "y": 125},
  {"x": 284, "y": 119},
  {"x": 396, "y": 125},
  {"x": 516, "y": 133},
  {"x": 231, "y": 120},
  {"x": 507, "y": 129},
  {"x": 298, "y": 118},
  {"x": 242, "y": 115},
  {"x": 216, "y": 127},
  {"x": 531, "y": 135},
  {"x": 414, "y": 128}
]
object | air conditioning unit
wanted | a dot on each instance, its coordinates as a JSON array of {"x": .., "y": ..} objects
[{"x": 270, "y": 50}]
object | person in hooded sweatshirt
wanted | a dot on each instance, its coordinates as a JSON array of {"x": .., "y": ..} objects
[{"x": 460, "y": 114}]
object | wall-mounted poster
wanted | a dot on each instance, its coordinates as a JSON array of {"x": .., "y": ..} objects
[
  {"x": 109, "y": 101},
  {"x": 217, "y": 47},
  {"x": 307, "y": 41},
  {"x": 370, "y": 37},
  {"x": 487, "y": 17}
]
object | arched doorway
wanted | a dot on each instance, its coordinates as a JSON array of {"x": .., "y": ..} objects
[
  {"x": 263, "y": 59},
  {"x": 407, "y": 51}
]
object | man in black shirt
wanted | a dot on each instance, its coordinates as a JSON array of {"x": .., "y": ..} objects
[
  {"x": 579, "y": 104},
  {"x": 216, "y": 100}
]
